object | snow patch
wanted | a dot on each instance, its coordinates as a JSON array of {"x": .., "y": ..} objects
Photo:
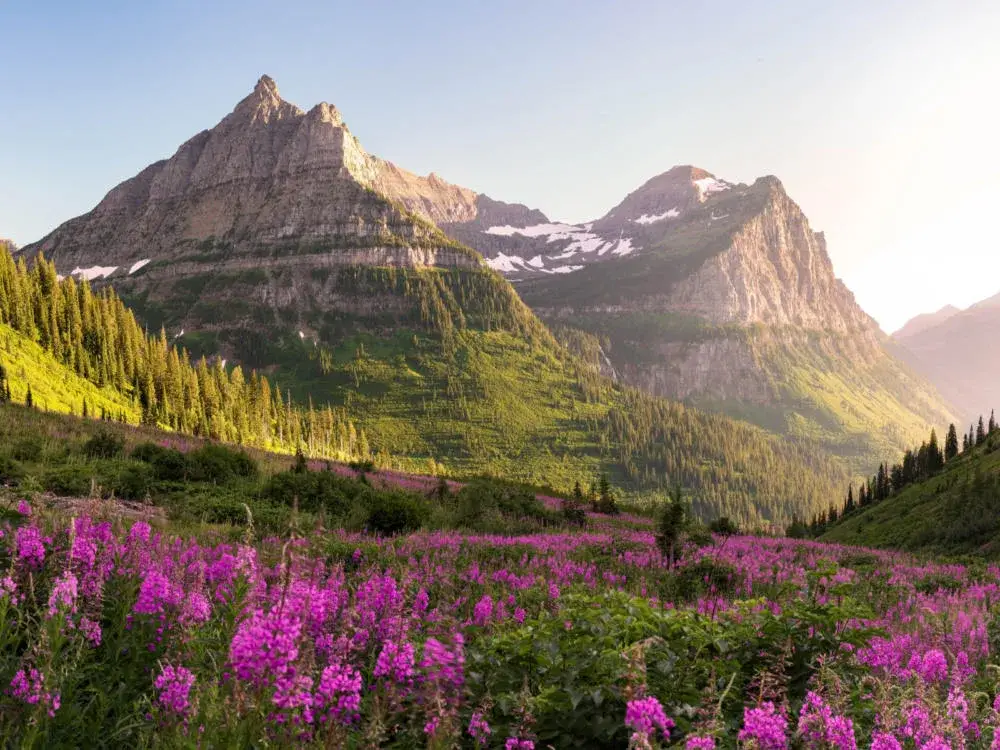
[
  {"x": 536, "y": 262},
  {"x": 566, "y": 269},
  {"x": 708, "y": 185},
  {"x": 94, "y": 272},
  {"x": 506, "y": 263},
  {"x": 716, "y": 218},
  {"x": 538, "y": 230},
  {"x": 673, "y": 213},
  {"x": 624, "y": 247},
  {"x": 137, "y": 265}
]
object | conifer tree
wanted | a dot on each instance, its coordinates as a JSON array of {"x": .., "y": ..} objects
[
  {"x": 29, "y": 400},
  {"x": 951, "y": 443},
  {"x": 849, "y": 506},
  {"x": 980, "y": 432},
  {"x": 993, "y": 423}
]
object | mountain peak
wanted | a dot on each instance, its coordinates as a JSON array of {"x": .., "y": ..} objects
[
  {"x": 264, "y": 102},
  {"x": 266, "y": 86}
]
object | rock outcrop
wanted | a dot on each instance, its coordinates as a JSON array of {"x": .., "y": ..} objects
[{"x": 269, "y": 176}]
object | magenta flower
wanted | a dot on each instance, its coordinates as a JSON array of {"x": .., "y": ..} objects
[
  {"x": 513, "y": 743},
  {"x": 395, "y": 662},
  {"x": 338, "y": 695},
  {"x": 174, "y": 685},
  {"x": 479, "y": 729},
  {"x": 764, "y": 726},
  {"x": 699, "y": 743},
  {"x": 646, "y": 715},
  {"x": 63, "y": 595},
  {"x": 30, "y": 546},
  {"x": 885, "y": 741}
]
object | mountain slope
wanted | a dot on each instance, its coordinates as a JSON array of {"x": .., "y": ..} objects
[
  {"x": 953, "y": 512},
  {"x": 275, "y": 241},
  {"x": 958, "y": 354},
  {"x": 727, "y": 299}
]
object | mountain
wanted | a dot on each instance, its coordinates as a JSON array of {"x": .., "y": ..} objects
[
  {"x": 919, "y": 324},
  {"x": 275, "y": 241},
  {"x": 721, "y": 295},
  {"x": 957, "y": 352},
  {"x": 952, "y": 512}
]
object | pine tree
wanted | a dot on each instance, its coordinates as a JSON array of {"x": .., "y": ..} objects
[
  {"x": 849, "y": 506},
  {"x": 993, "y": 423},
  {"x": 980, "y": 432},
  {"x": 29, "y": 400},
  {"x": 965, "y": 443},
  {"x": 606, "y": 502},
  {"x": 951, "y": 443}
]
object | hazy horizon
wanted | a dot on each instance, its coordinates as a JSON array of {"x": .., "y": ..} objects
[{"x": 874, "y": 115}]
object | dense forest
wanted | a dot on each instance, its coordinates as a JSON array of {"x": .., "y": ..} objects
[
  {"x": 482, "y": 389},
  {"x": 98, "y": 338}
]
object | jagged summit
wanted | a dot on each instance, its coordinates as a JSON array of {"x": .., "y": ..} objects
[{"x": 271, "y": 174}]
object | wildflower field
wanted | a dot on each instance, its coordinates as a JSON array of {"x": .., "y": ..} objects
[{"x": 114, "y": 634}]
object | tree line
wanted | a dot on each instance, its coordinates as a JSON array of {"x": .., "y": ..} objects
[
  {"x": 98, "y": 338},
  {"x": 917, "y": 465}
]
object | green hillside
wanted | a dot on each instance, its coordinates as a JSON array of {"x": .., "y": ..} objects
[
  {"x": 954, "y": 511},
  {"x": 822, "y": 388},
  {"x": 456, "y": 370}
]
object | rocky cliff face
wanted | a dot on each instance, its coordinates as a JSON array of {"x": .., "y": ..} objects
[
  {"x": 269, "y": 176},
  {"x": 728, "y": 299}
]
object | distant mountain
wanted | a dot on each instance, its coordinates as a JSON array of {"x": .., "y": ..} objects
[
  {"x": 921, "y": 323},
  {"x": 720, "y": 294},
  {"x": 957, "y": 352},
  {"x": 274, "y": 240}
]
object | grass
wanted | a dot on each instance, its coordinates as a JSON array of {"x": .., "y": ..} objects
[
  {"x": 955, "y": 512},
  {"x": 55, "y": 387}
]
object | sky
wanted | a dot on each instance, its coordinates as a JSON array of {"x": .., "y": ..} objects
[{"x": 881, "y": 117}]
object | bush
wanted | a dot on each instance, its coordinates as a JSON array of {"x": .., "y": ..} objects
[
  {"x": 220, "y": 464},
  {"x": 11, "y": 471},
  {"x": 134, "y": 482},
  {"x": 73, "y": 480},
  {"x": 27, "y": 449},
  {"x": 391, "y": 513},
  {"x": 147, "y": 452},
  {"x": 478, "y": 501},
  {"x": 724, "y": 526},
  {"x": 314, "y": 491},
  {"x": 104, "y": 444},
  {"x": 170, "y": 465}
]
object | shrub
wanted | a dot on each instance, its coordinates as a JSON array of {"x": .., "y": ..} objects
[
  {"x": 73, "y": 480},
  {"x": 170, "y": 465},
  {"x": 391, "y": 513},
  {"x": 147, "y": 451},
  {"x": 104, "y": 444},
  {"x": 220, "y": 464},
  {"x": 134, "y": 482},
  {"x": 724, "y": 526},
  {"x": 314, "y": 491},
  {"x": 27, "y": 449},
  {"x": 11, "y": 471}
]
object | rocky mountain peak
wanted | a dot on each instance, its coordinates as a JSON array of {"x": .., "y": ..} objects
[{"x": 263, "y": 105}]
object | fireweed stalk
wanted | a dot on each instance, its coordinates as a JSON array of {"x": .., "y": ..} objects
[{"x": 280, "y": 643}]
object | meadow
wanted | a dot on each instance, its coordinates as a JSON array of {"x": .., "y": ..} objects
[{"x": 118, "y": 632}]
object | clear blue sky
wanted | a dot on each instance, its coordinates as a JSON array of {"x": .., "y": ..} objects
[{"x": 880, "y": 116}]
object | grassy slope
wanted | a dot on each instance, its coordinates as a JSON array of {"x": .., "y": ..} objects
[
  {"x": 955, "y": 512},
  {"x": 55, "y": 387}
]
